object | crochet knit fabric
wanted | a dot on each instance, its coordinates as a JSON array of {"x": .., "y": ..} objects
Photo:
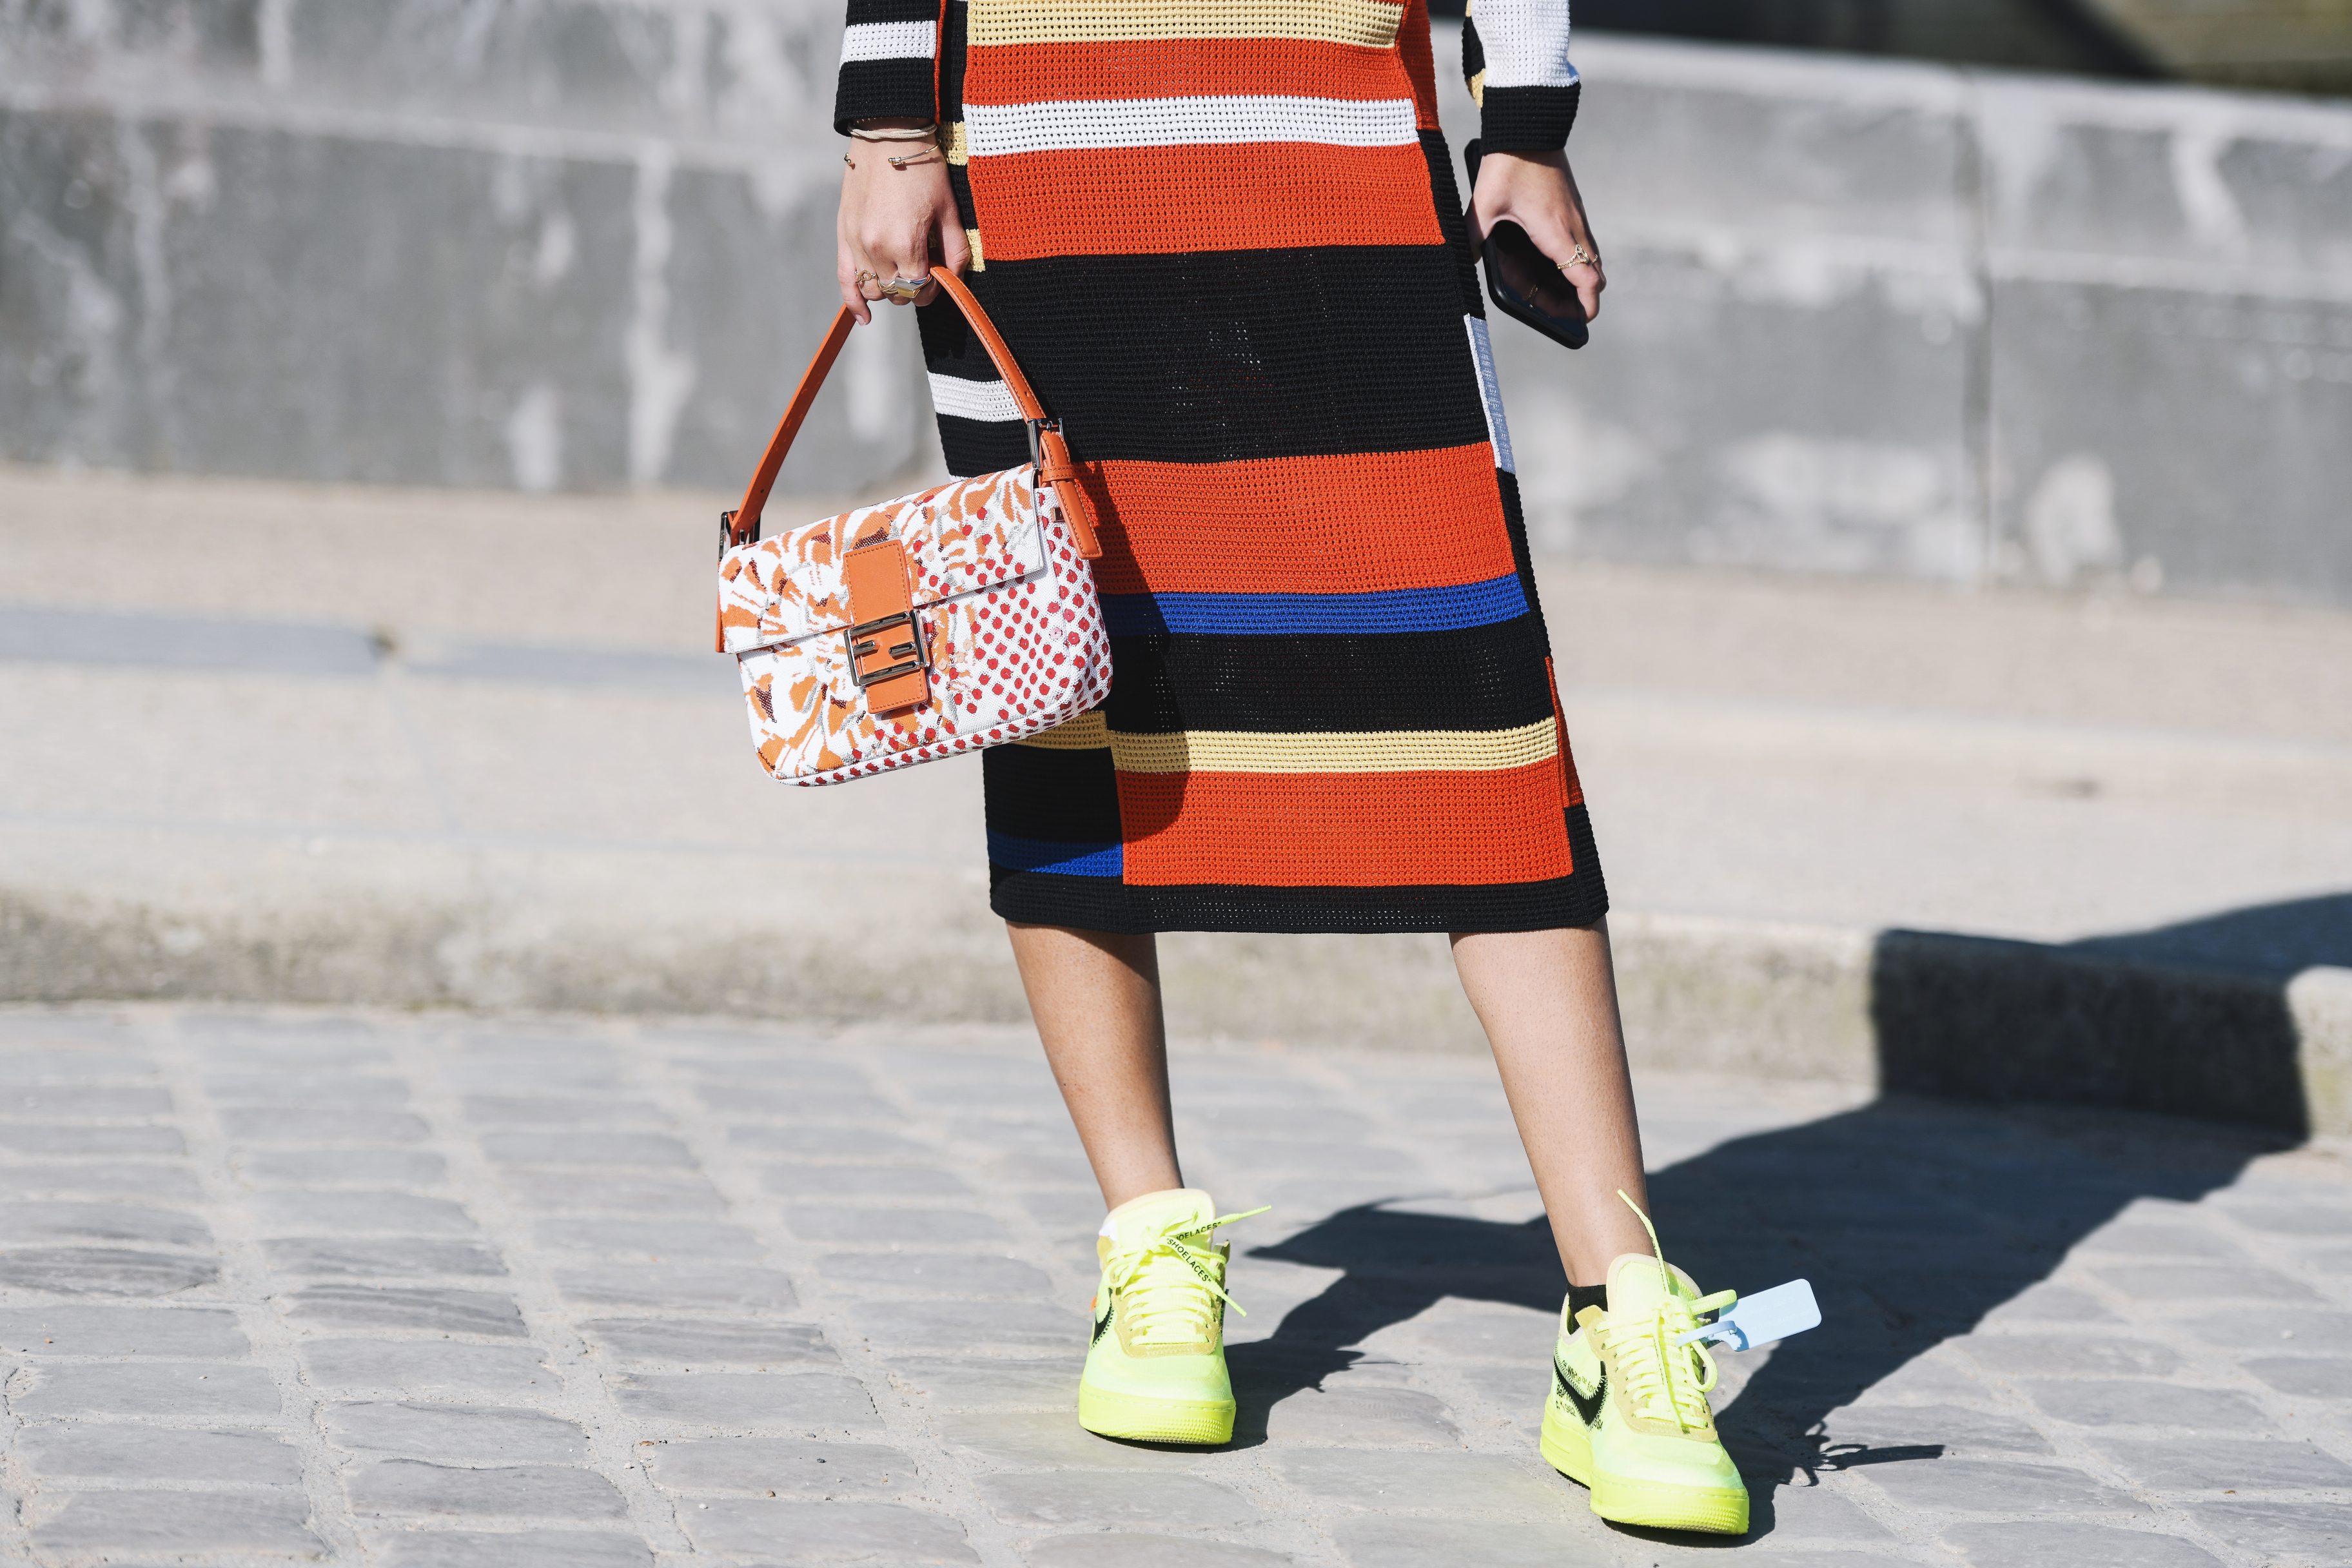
[{"x": 1225, "y": 241}]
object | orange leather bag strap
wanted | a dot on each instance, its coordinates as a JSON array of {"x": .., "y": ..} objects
[{"x": 743, "y": 524}]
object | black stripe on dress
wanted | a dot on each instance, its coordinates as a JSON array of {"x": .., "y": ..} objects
[
  {"x": 1051, "y": 795},
  {"x": 885, "y": 90},
  {"x": 1527, "y": 119},
  {"x": 1216, "y": 355},
  {"x": 1478, "y": 677}
]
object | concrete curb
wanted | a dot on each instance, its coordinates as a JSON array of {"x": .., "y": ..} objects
[{"x": 1931, "y": 1012}]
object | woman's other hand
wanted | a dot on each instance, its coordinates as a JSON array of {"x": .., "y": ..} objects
[
  {"x": 894, "y": 223},
  {"x": 1536, "y": 191}
]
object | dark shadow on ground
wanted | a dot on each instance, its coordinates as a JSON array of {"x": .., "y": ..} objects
[{"x": 1913, "y": 1219}]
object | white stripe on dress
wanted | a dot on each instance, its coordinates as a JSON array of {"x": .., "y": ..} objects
[
  {"x": 1525, "y": 42},
  {"x": 973, "y": 399},
  {"x": 1490, "y": 394},
  {"x": 996, "y": 129},
  {"x": 889, "y": 41}
]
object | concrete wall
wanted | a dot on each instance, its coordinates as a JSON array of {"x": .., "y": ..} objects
[{"x": 1866, "y": 317}]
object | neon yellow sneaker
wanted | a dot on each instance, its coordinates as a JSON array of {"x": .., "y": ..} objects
[
  {"x": 1628, "y": 1414},
  {"x": 1156, "y": 1372}
]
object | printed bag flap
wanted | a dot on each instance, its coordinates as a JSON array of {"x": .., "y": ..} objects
[{"x": 962, "y": 537}]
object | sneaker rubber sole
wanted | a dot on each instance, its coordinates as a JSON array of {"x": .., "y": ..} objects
[
  {"x": 1143, "y": 1420},
  {"x": 1653, "y": 1505}
]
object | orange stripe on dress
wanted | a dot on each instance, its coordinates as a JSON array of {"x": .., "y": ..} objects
[
  {"x": 1181, "y": 67},
  {"x": 1347, "y": 830},
  {"x": 1359, "y": 522},
  {"x": 1166, "y": 201},
  {"x": 1419, "y": 62}
]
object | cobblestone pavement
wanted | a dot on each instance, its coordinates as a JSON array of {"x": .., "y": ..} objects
[{"x": 424, "y": 1291}]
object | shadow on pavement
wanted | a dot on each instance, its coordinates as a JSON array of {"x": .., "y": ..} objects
[{"x": 1913, "y": 1219}]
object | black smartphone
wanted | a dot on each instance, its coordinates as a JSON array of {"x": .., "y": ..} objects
[{"x": 1524, "y": 283}]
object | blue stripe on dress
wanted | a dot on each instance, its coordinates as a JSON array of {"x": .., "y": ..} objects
[
  {"x": 1065, "y": 860},
  {"x": 1394, "y": 610}
]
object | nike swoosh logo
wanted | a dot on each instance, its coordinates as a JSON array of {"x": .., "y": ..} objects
[
  {"x": 1102, "y": 1324},
  {"x": 1588, "y": 1405}
]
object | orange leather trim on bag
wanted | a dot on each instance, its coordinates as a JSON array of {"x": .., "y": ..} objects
[{"x": 886, "y": 638}]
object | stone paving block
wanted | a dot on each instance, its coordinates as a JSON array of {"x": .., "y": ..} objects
[
  {"x": 2172, "y": 1283},
  {"x": 793, "y": 1102},
  {"x": 705, "y": 1342},
  {"x": 104, "y": 1270},
  {"x": 1958, "y": 1430},
  {"x": 1511, "y": 1389},
  {"x": 915, "y": 1227},
  {"x": 23, "y": 1222},
  {"x": 2302, "y": 1221},
  {"x": 512, "y": 1548},
  {"x": 561, "y": 1110},
  {"x": 74, "y": 1102},
  {"x": 1368, "y": 1417},
  {"x": 307, "y": 1091},
  {"x": 2144, "y": 1238},
  {"x": 275, "y": 1522},
  {"x": 709, "y": 1285},
  {"x": 752, "y": 1528},
  {"x": 1826, "y": 1512},
  {"x": 944, "y": 1273},
  {"x": 407, "y": 1365},
  {"x": 332, "y": 1168},
  {"x": 970, "y": 1325},
  {"x": 1274, "y": 1157},
  {"x": 2309, "y": 1377},
  {"x": 2103, "y": 1355},
  {"x": 770, "y": 1465},
  {"x": 564, "y": 1192},
  {"x": 450, "y": 1309},
  {"x": 278, "y": 1125},
  {"x": 114, "y": 1178},
  {"x": 77, "y": 1329},
  {"x": 1992, "y": 1486},
  {"x": 92, "y": 1063},
  {"x": 117, "y": 1451},
  {"x": 818, "y": 1140},
  {"x": 364, "y": 1257},
  {"x": 794, "y": 1178},
  {"x": 1924, "y": 1380},
  {"x": 1488, "y": 1542},
  {"x": 2222, "y": 1464},
  {"x": 1116, "y": 1499},
  {"x": 651, "y": 1238},
  {"x": 602, "y": 1151},
  {"x": 462, "y": 1434},
  {"x": 1455, "y": 1329},
  {"x": 213, "y": 1390},
  {"x": 521, "y": 1491},
  {"x": 807, "y": 1400},
  {"x": 358, "y": 1214},
  {"x": 2051, "y": 1304},
  {"x": 2120, "y": 1403},
  {"x": 66, "y": 1137},
  {"x": 1093, "y": 1550},
  {"x": 1053, "y": 1439},
  {"x": 1037, "y": 1168},
  {"x": 2317, "y": 1532},
  {"x": 1486, "y": 1484},
  {"x": 2281, "y": 1328},
  {"x": 988, "y": 1383}
]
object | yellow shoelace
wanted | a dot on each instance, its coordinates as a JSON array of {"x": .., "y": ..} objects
[
  {"x": 1665, "y": 1381},
  {"x": 1169, "y": 1280}
]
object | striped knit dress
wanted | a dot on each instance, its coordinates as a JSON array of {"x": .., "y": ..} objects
[{"x": 1225, "y": 241}]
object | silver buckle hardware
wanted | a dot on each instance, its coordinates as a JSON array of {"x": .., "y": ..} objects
[{"x": 865, "y": 639}]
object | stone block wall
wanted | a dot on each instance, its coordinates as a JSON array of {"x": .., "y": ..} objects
[{"x": 1866, "y": 317}]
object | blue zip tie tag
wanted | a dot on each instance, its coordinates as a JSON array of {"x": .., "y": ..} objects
[{"x": 1760, "y": 1318}]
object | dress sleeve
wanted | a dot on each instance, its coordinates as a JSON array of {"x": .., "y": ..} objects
[
  {"x": 1515, "y": 58},
  {"x": 890, "y": 62}
]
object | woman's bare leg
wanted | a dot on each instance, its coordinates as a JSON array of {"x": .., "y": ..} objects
[
  {"x": 1549, "y": 1001},
  {"x": 1096, "y": 997}
]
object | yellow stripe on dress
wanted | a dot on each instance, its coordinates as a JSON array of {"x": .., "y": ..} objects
[
  {"x": 1361, "y": 752},
  {"x": 1087, "y": 732},
  {"x": 1372, "y": 24},
  {"x": 952, "y": 143}
]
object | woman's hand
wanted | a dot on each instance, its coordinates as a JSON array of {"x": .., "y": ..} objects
[
  {"x": 894, "y": 223},
  {"x": 1536, "y": 191}
]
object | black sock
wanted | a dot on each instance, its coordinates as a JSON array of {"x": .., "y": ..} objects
[{"x": 1582, "y": 1296}]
